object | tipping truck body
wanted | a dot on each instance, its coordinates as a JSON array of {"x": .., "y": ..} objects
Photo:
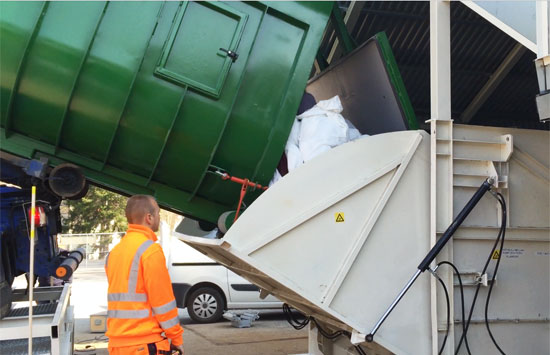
[{"x": 156, "y": 97}]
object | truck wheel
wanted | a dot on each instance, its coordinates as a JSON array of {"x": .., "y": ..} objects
[
  {"x": 67, "y": 181},
  {"x": 205, "y": 305}
]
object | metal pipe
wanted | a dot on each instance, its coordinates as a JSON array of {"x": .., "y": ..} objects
[
  {"x": 370, "y": 336},
  {"x": 31, "y": 266},
  {"x": 66, "y": 269}
]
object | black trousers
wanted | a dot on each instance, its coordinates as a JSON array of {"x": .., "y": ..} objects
[{"x": 153, "y": 350}]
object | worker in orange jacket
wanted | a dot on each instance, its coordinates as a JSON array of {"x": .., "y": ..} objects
[{"x": 141, "y": 303}]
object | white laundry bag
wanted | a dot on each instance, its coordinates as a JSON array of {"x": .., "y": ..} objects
[{"x": 315, "y": 131}]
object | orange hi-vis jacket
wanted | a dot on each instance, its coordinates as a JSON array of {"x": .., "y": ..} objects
[{"x": 141, "y": 303}]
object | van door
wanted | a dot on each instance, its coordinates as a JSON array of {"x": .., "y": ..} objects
[{"x": 242, "y": 291}]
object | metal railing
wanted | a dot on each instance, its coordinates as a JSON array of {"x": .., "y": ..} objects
[{"x": 97, "y": 245}]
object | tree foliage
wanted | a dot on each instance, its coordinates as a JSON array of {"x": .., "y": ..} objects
[{"x": 100, "y": 211}]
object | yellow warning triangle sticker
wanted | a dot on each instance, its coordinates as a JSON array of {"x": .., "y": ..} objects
[
  {"x": 496, "y": 255},
  {"x": 339, "y": 217}
]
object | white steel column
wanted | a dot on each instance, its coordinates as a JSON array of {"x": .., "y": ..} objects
[
  {"x": 440, "y": 60},
  {"x": 543, "y": 40},
  {"x": 441, "y": 162}
]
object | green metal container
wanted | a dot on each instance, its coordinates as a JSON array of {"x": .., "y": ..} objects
[{"x": 153, "y": 97}]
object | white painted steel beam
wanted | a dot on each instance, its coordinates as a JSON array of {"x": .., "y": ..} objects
[
  {"x": 440, "y": 60},
  {"x": 493, "y": 82},
  {"x": 543, "y": 29},
  {"x": 502, "y": 25},
  {"x": 350, "y": 19},
  {"x": 441, "y": 175}
]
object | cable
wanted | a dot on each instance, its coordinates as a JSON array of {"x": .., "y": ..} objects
[
  {"x": 502, "y": 202},
  {"x": 448, "y": 311},
  {"x": 500, "y": 234},
  {"x": 461, "y": 300},
  {"x": 475, "y": 296},
  {"x": 359, "y": 350},
  {"x": 296, "y": 324},
  {"x": 299, "y": 325},
  {"x": 325, "y": 333}
]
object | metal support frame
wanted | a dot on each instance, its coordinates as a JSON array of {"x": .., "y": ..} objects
[
  {"x": 542, "y": 63},
  {"x": 441, "y": 175},
  {"x": 543, "y": 29},
  {"x": 58, "y": 326},
  {"x": 350, "y": 20},
  {"x": 501, "y": 25},
  {"x": 494, "y": 81},
  {"x": 340, "y": 29}
]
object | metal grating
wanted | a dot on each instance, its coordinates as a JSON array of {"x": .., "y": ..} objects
[
  {"x": 38, "y": 310},
  {"x": 40, "y": 345}
]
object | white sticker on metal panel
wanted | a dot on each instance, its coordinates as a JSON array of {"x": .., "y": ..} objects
[{"x": 512, "y": 252}]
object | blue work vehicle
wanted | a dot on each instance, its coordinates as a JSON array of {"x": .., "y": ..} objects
[{"x": 17, "y": 176}]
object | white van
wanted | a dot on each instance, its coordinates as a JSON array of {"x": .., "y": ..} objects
[{"x": 207, "y": 288}]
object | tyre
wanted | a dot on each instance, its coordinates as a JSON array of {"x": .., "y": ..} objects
[{"x": 205, "y": 305}]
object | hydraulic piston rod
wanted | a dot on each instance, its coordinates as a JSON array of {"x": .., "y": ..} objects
[{"x": 425, "y": 264}]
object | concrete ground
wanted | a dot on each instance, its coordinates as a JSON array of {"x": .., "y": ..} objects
[{"x": 270, "y": 335}]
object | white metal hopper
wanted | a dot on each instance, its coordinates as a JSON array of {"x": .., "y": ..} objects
[{"x": 339, "y": 237}]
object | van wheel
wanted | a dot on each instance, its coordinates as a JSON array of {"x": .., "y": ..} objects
[{"x": 205, "y": 305}]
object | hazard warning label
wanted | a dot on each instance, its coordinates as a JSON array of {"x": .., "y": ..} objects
[
  {"x": 496, "y": 255},
  {"x": 339, "y": 217}
]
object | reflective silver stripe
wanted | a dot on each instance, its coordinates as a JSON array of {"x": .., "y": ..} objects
[
  {"x": 132, "y": 295},
  {"x": 170, "y": 323},
  {"x": 127, "y": 297},
  {"x": 128, "y": 314},
  {"x": 106, "y": 259},
  {"x": 134, "y": 269},
  {"x": 165, "y": 308}
]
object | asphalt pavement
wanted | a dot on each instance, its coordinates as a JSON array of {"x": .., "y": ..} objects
[{"x": 270, "y": 335}]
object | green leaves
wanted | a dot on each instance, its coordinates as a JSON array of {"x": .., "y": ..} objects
[{"x": 99, "y": 211}]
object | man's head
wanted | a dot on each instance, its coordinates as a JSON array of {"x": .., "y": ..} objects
[{"x": 143, "y": 210}]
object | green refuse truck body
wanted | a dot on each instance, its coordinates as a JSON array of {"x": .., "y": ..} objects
[{"x": 155, "y": 97}]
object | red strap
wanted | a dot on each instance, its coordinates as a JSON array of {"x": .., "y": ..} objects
[{"x": 244, "y": 188}]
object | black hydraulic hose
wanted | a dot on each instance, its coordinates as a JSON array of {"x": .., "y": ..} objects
[
  {"x": 461, "y": 300},
  {"x": 296, "y": 324},
  {"x": 359, "y": 350},
  {"x": 497, "y": 240},
  {"x": 325, "y": 333},
  {"x": 448, "y": 312},
  {"x": 504, "y": 217}
]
